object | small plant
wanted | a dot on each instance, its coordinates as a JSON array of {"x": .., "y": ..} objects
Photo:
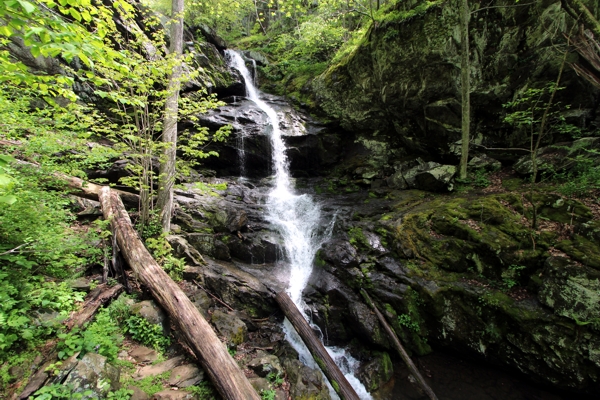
[
  {"x": 406, "y": 321},
  {"x": 145, "y": 332},
  {"x": 59, "y": 391},
  {"x": 203, "y": 391},
  {"x": 268, "y": 394},
  {"x": 161, "y": 251},
  {"x": 510, "y": 276},
  {"x": 275, "y": 378}
]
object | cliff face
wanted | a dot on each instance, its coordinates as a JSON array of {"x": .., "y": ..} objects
[{"x": 401, "y": 86}]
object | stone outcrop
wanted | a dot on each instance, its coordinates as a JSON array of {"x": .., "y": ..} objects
[{"x": 400, "y": 87}]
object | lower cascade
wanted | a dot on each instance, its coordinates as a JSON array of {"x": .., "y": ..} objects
[{"x": 296, "y": 217}]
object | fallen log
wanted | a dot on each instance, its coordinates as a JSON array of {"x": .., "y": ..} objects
[
  {"x": 96, "y": 298},
  {"x": 323, "y": 359},
  {"x": 411, "y": 366},
  {"x": 224, "y": 372}
]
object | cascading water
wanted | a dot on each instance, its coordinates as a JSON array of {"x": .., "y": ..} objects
[
  {"x": 240, "y": 144},
  {"x": 296, "y": 217}
]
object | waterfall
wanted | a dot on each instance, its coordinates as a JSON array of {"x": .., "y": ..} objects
[
  {"x": 240, "y": 144},
  {"x": 296, "y": 217}
]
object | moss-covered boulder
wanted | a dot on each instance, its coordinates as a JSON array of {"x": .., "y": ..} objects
[{"x": 400, "y": 85}]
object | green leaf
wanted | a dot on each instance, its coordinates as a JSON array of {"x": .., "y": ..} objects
[
  {"x": 27, "y": 6},
  {"x": 75, "y": 14},
  {"x": 10, "y": 199}
]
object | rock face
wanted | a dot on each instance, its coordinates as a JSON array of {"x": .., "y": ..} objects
[
  {"x": 313, "y": 148},
  {"x": 402, "y": 83}
]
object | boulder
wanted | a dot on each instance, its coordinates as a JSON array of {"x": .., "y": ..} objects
[
  {"x": 376, "y": 372},
  {"x": 230, "y": 326},
  {"x": 171, "y": 394},
  {"x": 157, "y": 369},
  {"x": 264, "y": 364},
  {"x": 93, "y": 373},
  {"x": 485, "y": 162},
  {"x": 186, "y": 375},
  {"x": 143, "y": 354},
  {"x": 150, "y": 311},
  {"x": 305, "y": 382},
  {"x": 184, "y": 250}
]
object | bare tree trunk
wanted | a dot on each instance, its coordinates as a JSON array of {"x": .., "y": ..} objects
[
  {"x": 411, "y": 366},
  {"x": 322, "y": 358},
  {"x": 465, "y": 88},
  {"x": 169, "y": 137},
  {"x": 224, "y": 372}
]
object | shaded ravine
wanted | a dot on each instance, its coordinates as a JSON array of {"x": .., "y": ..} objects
[{"x": 296, "y": 217}]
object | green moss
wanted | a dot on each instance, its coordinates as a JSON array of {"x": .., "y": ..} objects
[{"x": 335, "y": 386}]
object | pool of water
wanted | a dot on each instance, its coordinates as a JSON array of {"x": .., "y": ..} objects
[{"x": 452, "y": 378}]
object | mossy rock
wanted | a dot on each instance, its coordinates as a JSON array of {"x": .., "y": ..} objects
[{"x": 582, "y": 249}]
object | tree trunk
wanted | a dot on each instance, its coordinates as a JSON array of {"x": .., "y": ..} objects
[
  {"x": 224, "y": 372},
  {"x": 465, "y": 88},
  {"x": 411, "y": 366},
  {"x": 322, "y": 358},
  {"x": 97, "y": 297},
  {"x": 167, "y": 165}
]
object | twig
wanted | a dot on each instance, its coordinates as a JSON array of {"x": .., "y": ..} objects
[
  {"x": 14, "y": 250},
  {"x": 213, "y": 296}
]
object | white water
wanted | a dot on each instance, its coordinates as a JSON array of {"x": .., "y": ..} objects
[{"x": 296, "y": 217}]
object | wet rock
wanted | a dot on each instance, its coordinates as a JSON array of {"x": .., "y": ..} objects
[
  {"x": 264, "y": 364},
  {"x": 254, "y": 248},
  {"x": 366, "y": 325},
  {"x": 377, "y": 372},
  {"x": 230, "y": 326},
  {"x": 151, "y": 312},
  {"x": 237, "y": 288},
  {"x": 93, "y": 373},
  {"x": 340, "y": 253},
  {"x": 183, "y": 249},
  {"x": 143, "y": 354},
  {"x": 305, "y": 382},
  {"x": 152, "y": 370},
  {"x": 237, "y": 220},
  {"x": 186, "y": 375}
]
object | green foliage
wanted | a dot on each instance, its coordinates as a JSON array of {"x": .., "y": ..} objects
[
  {"x": 145, "y": 332},
  {"x": 121, "y": 394},
  {"x": 204, "y": 391},
  {"x": 102, "y": 336},
  {"x": 406, "y": 321},
  {"x": 510, "y": 277},
  {"x": 275, "y": 378},
  {"x": 60, "y": 391},
  {"x": 267, "y": 394},
  {"x": 162, "y": 252}
]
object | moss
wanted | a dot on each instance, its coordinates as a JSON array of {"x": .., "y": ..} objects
[
  {"x": 335, "y": 386},
  {"x": 582, "y": 250}
]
